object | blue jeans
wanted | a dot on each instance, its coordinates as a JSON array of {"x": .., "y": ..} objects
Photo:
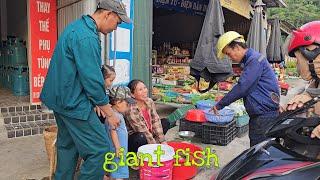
[{"x": 258, "y": 126}]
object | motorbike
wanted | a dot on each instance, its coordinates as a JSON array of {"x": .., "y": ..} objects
[{"x": 290, "y": 153}]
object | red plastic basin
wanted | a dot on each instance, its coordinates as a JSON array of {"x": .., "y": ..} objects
[
  {"x": 195, "y": 115},
  {"x": 184, "y": 172}
]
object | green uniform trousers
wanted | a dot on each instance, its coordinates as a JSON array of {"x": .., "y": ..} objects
[{"x": 86, "y": 138}]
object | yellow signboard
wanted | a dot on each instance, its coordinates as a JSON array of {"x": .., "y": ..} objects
[{"x": 241, "y": 7}]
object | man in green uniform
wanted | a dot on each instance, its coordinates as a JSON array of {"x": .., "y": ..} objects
[{"x": 74, "y": 85}]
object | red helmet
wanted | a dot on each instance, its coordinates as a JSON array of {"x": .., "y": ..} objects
[{"x": 306, "y": 35}]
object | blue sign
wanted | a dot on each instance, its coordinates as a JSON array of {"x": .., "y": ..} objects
[{"x": 197, "y": 7}]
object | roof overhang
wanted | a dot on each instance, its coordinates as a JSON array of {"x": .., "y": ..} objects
[{"x": 273, "y": 3}]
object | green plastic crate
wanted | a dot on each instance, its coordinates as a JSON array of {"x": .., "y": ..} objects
[{"x": 178, "y": 114}]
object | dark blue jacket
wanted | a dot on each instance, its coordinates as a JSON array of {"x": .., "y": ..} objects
[{"x": 256, "y": 85}]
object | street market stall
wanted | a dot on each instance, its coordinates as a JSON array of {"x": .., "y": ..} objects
[{"x": 174, "y": 47}]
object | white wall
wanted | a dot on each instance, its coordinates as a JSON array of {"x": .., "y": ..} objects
[{"x": 17, "y": 18}]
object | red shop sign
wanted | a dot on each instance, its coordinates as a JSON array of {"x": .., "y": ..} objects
[{"x": 42, "y": 34}]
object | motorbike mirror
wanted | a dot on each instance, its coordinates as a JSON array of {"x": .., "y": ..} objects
[{"x": 288, "y": 114}]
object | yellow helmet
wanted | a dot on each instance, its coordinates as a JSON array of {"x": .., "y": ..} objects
[{"x": 225, "y": 40}]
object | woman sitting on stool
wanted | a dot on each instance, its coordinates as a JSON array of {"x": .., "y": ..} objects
[{"x": 143, "y": 122}]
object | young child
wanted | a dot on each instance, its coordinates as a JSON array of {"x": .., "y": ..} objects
[
  {"x": 109, "y": 74},
  {"x": 119, "y": 100}
]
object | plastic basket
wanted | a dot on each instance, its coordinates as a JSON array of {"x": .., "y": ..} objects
[
  {"x": 166, "y": 99},
  {"x": 205, "y": 104},
  {"x": 50, "y": 137},
  {"x": 195, "y": 127},
  {"x": 195, "y": 115},
  {"x": 242, "y": 131},
  {"x": 218, "y": 134},
  {"x": 195, "y": 98},
  {"x": 187, "y": 97},
  {"x": 225, "y": 116},
  {"x": 171, "y": 94},
  {"x": 178, "y": 114},
  {"x": 242, "y": 120},
  {"x": 163, "y": 86}
]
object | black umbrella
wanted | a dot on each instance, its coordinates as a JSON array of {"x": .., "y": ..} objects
[
  {"x": 274, "y": 51},
  {"x": 205, "y": 63},
  {"x": 257, "y": 38}
]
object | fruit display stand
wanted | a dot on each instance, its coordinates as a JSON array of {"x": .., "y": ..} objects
[
  {"x": 179, "y": 96},
  {"x": 172, "y": 83}
]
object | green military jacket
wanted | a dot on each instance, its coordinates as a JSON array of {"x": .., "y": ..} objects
[{"x": 74, "y": 83}]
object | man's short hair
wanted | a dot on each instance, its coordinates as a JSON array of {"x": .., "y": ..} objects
[{"x": 241, "y": 44}]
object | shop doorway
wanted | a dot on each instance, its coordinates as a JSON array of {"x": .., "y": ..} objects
[
  {"x": 175, "y": 36},
  {"x": 19, "y": 116},
  {"x": 14, "y": 77}
]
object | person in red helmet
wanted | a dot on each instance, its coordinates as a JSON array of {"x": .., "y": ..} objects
[{"x": 305, "y": 46}]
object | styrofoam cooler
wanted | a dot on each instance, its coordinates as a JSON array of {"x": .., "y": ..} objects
[{"x": 157, "y": 172}]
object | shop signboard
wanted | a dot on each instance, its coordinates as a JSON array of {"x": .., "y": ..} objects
[
  {"x": 121, "y": 48},
  {"x": 42, "y": 35},
  {"x": 241, "y": 7},
  {"x": 197, "y": 7}
]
